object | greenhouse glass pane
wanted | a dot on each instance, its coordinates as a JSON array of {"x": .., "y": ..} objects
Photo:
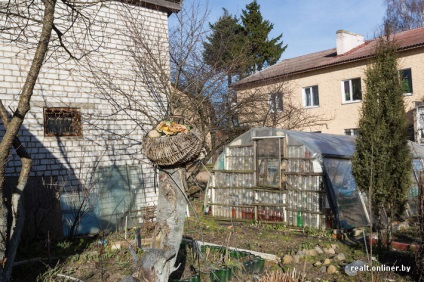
[{"x": 350, "y": 204}]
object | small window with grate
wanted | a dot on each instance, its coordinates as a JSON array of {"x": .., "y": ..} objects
[{"x": 62, "y": 122}]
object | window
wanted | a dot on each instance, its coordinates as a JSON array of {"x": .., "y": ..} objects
[
  {"x": 62, "y": 122},
  {"x": 406, "y": 79},
  {"x": 310, "y": 96},
  {"x": 351, "y": 131},
  {"x": 276, "y": 102},
  {"x": 351, "y": 90}
]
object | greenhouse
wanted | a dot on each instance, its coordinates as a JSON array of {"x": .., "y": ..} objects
[{"x": 292, "y": 177}]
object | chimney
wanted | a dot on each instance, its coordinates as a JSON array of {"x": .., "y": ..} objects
[{"x": 346, "y": 41}]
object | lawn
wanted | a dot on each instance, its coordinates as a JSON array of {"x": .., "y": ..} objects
[{"x": 313, "y": 254}]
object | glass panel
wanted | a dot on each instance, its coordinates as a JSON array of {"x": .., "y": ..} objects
[
  {"x": 346, "y": 89},
  {"x": 268, "y": 162},
  {"x": 272, "y": 102},
  {"x": 406, "y": 80},
  {"x": 276, "y": 102},
  {"x": 413, "y": 190},
  {"x": 356, "y": 89},
  {"x": 279, "y": 102},
  {"x": 347, "y": 200},
  {"x": 308, "y": 97},
  {"x": 62, "y": 122},
  {"x": 316, "y": 96}
]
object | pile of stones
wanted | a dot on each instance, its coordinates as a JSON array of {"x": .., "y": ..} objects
[{"x": 327, "y": 259}]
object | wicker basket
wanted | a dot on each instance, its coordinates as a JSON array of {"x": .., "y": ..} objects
[{"x": 173, "y": 150}]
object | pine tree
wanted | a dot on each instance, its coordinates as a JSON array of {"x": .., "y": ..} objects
[
  {"x": 263, "y": 51},
  {"x": 225, "y": 48},
  {"x": 382, "y": 163}
]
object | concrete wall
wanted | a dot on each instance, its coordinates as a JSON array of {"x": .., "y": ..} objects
[{"x": 112, "y": 126}]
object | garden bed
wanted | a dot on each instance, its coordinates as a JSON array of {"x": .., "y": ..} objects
[{"x": 217, "y": 263}]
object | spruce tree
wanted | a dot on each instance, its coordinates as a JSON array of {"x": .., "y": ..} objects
[
  {"x": 263, "y": 51},
  {"x": 382, "y": 163},
  {"x": 225, "y": 48}
]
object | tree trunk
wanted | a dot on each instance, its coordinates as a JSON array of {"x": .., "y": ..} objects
[
  {"x": 9, "y": 238},
  {"x": 158, "y": 263},
  {"x": 16, "y": 205}
]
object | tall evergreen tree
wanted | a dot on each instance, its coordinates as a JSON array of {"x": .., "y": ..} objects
[
  {"x": 263, "y": 51},
  {"x": 225, "y": 48},
  {"x": 382, "y": 161}
]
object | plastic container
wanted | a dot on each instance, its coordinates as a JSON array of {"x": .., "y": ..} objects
[
  {"x": 195, "y": 278},
  {"x": 235, "y": 254},
  {"x": 259, "y": 265},
  {"x": 299, "y": 219},
  {"x": 244, "y": 253},
  {"x": 219, "y": 275},
  {"x": 229, "y": 273},
  {"x": 248, "y": 266}
]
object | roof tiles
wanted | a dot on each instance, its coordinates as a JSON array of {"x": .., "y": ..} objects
[{"x": 406, "y": 40}]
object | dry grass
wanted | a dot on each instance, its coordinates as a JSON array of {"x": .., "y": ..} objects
[{"x": 279, "y": 276}]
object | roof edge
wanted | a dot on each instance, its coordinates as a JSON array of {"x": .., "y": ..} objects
[
  {"x": 168, "y": 6},
  {"x": 241, "y": 86}
]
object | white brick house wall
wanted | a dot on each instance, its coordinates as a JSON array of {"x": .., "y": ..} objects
[{"x": 112, "y": 131}]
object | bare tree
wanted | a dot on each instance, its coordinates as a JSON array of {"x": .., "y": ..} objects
[
  {"x": 274, "y": 106},
  {"x": 403, "y": 15},
  {"x": 179, "y": 82},
  {"x": 11, "y": 238},
  {"x": 40, "y": 28},
  {"x": 198, "y": 91}
]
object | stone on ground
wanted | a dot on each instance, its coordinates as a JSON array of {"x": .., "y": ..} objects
[
  {"x": 327, "y": 261},
  {"x": 312, "y": 252},
  {"x": 331, "y": 269},
  {"x": 341, "y": 257},
  {"x": 296, "y": 258},
  {"x": 287, "y": 259},
  {"x": 318, "y": 250}
]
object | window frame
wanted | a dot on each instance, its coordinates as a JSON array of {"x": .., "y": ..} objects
[
  {"x": 276, "y": 102},
  {"x": 351, "y": 94},
  {"x": 352, "y": 131},
  {"x": 409, "y": 79},
  {"x": 74, "y": 113},
  {"x": 312, "y": 99}
]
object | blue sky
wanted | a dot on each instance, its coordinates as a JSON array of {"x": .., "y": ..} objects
[{"x": 310, "y": 25}]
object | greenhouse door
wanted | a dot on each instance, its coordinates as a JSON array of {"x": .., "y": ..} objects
[{"x": 269, "y": 195}]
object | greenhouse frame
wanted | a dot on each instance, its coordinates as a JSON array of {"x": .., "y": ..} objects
[{"x": 296, "y": 178}]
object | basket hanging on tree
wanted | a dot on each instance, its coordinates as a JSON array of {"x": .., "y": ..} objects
[{"x": 172, "y": 143}]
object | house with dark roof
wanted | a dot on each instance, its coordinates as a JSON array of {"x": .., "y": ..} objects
[{"x": 330, "y": 83}]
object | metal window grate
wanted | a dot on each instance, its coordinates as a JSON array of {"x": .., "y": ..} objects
[{"x": 62, "y": 122}]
